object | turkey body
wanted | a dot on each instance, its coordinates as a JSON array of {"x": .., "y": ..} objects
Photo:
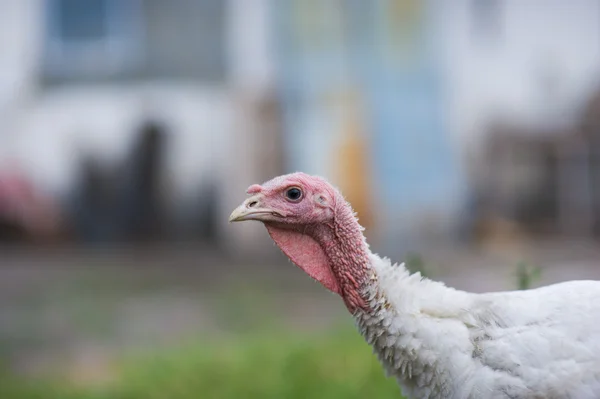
[
  {"x": 437, "y": 342},
  {"x": 443, "y": 343}
]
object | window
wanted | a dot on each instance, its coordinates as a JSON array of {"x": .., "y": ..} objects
[
  {"x": 91, "y": 37},
  {"x": 104, "y": 40},
  {"x": 185, "y": 39},
  {"x": 82, "y": 20}
]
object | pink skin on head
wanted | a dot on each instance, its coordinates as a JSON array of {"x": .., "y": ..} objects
[
  {"x": 254, "y": 189},
  {"x": 318, "y": 232}
]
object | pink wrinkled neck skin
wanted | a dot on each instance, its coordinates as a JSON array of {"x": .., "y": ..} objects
[
  {"x": 306, "y": 253},
  {"x": 336, "y": 255}
]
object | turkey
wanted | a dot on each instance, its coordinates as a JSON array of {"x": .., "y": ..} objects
[{"x": 438, "y": 342}]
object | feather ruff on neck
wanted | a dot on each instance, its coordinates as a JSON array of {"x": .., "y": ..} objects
[{"x": 404, "y": 328}]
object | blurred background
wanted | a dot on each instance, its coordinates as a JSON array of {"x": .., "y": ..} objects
[{"x": 465, "y": 133}]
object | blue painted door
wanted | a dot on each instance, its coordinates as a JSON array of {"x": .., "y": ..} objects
[{"x": 379, "y": 57}]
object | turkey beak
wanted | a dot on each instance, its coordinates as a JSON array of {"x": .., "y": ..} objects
[{"x": 251, "y": 209}]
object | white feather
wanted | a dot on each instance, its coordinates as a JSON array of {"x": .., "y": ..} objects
[{"x": 443, "y": 343}]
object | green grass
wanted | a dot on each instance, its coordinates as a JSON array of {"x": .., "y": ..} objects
[
  {"x": 336, "y": 364},
  {"x": 527, "y": 276},
  {"x": 277, "y": 364}
]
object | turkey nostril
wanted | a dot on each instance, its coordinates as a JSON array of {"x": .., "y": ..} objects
[{"x": 252, "y": 204}]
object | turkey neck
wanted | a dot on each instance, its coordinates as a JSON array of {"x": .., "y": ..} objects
[{"x": 348, "y": 253}]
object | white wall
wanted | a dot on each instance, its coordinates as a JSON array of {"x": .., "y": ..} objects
[
  {"x": 54, "y": 133},
  {"x": 20, "y": 25},
  {"x": 503, "y": 77},
  {"x": 250, "y": 45}
]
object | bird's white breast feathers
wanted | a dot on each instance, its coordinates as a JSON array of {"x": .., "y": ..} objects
[{"x": 444, "y": 343}]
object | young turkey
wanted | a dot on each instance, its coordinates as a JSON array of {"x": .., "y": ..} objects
[{"x": 436, "y": 341}]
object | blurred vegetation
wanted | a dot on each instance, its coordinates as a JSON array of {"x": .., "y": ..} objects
[
  {"x": 415, "y": 263},
  {"x": 275, "y": 364},
  {"x": 337, "y": 364},
  {"x": 527, "y": 276}
]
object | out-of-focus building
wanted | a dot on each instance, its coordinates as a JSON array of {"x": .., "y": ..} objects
[
  {"x": 393, "y": 100},
  {"x": 422, "y": 85},
  {"x": 520, "y": 76},
  {"x": 80, "y": 79}
]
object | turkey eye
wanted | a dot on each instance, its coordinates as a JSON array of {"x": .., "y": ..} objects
[{"x": 293, "y": 194}]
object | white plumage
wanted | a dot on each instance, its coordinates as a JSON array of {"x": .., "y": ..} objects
[
  {"x": 443, "y": 343},
  {"x": 436, "y": 341}
]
